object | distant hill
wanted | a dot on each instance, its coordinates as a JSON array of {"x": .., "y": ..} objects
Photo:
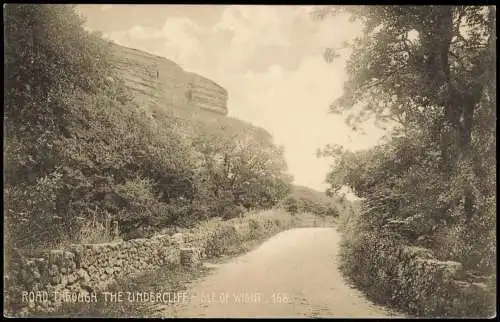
[
  {"x": 305, "y": 199},
  {"x": 309, "y": 193}
]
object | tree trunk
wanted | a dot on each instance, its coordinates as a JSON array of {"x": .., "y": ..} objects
[{"x": 466, "y": 153}]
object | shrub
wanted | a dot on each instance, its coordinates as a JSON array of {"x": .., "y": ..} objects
[
  {"x": 93, "y": 231},
  {"x": 291, "y": 205},
  {"x": 14, "y": 283},
  {"x": 232, "y": 211},
  {"x": 332, "y": 211},
  {"x": 223, "y": 241},
  {"x": 268, "y": 226},
  {"x": 409, "y": 278},
  {"x": 77, "y": 145},
  {"x": 256, "y": 230},
  {"x": 393, "y": 189}
]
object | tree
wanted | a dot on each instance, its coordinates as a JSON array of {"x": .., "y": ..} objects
[
  {"x": 291, "y": 205},
  {"x": 50, "y": 60},
  {"x": 240, "y": 163},
  {"x": 424, "y": 67},
  {"x": 430, "y": 72}
]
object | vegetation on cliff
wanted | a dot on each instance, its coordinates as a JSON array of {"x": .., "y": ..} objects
[{"x": 79, "y": 153}]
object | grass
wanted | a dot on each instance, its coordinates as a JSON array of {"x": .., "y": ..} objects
[{"x": 93, "y": 231}]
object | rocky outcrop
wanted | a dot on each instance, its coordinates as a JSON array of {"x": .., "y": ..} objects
[
  {"x": 206, "y": 94},
  {"x": 153, "y": 79}
]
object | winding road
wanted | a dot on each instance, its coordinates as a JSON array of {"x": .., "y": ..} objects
[{"x": 293, "y": 274}]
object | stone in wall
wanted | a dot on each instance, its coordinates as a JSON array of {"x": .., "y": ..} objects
[{"x": 189, "y": 257}]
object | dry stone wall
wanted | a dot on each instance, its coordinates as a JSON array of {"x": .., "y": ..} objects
[
  {"x": 156, "y": 80},
  {"x": 41, "y": 281},
  {"x": 433, "y": 287},
  {"x": 86, "y": 269}
]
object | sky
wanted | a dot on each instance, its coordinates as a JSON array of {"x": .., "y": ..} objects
[{"x": 270, "y": 60}]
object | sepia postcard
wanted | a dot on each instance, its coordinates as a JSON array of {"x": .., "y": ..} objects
[{"x": 169, "y": 161}]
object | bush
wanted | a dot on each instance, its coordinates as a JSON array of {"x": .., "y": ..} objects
[
  {"x": 14, "y": 281},
  {"x": 410, "y": 278},
  {"x": 394, "y": 215},
  {"x": 233, "y": 211},
  {"x": 94, "y": 231},
  {"x": 77, "y": 146},
  {"x": 332, "y": 211},
  {"x": 256, "y": 229},
  {"x": 223, "y": 241},
  {"x": 291, "y": 205}
]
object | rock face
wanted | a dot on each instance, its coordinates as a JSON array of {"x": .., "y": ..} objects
[
  {"x": 206, "y": 94},
  {"x": 156, "y": 80}
]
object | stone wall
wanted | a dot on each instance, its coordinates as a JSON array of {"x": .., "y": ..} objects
[
  {"x": 87, "y": 270},
  {"x": 156, "y": 80},
  {"x": 433, "y": 288}
]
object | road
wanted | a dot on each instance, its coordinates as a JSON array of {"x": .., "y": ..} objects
[{"x": 293, "y": 274}]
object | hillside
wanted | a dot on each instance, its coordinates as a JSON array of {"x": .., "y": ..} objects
[
  {"x": 101, "y": 136},
  {"x": 309, "y": 193},
  {"x": 305, "y": 199}
]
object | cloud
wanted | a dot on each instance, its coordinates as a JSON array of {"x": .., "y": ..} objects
[
  {"x": 133, "y": 36},
  {"x": 253, "y": 26},
  {"x": 182, "y": 40},
  {"x": 180, "y": 27},
  {"x": 269, "y": 59},
  {"x": 144, "y": 33},
  {"x": 293, "y": 106}
]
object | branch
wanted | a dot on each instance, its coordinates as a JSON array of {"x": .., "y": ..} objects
[
  {"x": 461, "y": 12},
  {"x": 384, "y": 79},
  {"x": 399, "y": 118}
]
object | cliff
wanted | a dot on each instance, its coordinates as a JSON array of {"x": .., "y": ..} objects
[{"x": 156, "y": 80}]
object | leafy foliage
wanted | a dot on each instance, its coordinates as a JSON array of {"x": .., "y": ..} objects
[
  {"x": 429, "y": 72},
  {"x": 76, "y": 145},
  {"x": 291, "y": 205}
]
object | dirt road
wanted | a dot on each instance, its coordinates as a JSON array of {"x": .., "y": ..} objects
[{"x": 293, "y": 274}]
